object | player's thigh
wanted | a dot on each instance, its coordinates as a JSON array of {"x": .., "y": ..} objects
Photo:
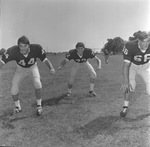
[
  {"x": 17, "y": 80},
  {"x": 132, "y": 76},
  {"x": 146, "y": 77},
  {"x": 74, "y": 69},
  {"x": 35, "y": 76},
  {"x": 34, "y": 72},
  {"x": 90, "y": 69},
  {"x": 18, "y": 77}
]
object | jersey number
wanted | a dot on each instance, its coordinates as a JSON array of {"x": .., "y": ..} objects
[
  {"x": 43, "y": 51},
  {"x": 146, "y": 57},
  {"x": 125, "y": 51},
  {"x": 138, "y": 58},
  {"x": 22, "y": 62}
]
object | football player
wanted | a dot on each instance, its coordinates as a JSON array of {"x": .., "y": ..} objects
[
  {"x": 106, "y": 55},
  {"x": 80, "y": 55},
  {"x": 25, "y": 55},
  {"x": 136, "y": 61}
]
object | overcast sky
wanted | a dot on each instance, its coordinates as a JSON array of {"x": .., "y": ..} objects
[{"x": 59, "y": 24}]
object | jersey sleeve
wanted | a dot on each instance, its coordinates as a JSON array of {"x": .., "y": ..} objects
[
  {"x": 91, "y": 54},
  {"x": 69, "y": 55},
  {"x": 8, "y": 56},
  {"x": 127, "y": 53},
  {"x": 41, "y": 53}
]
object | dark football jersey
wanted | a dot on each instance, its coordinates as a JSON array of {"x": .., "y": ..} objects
[
  {"x": 87, "y": 53},
  {"x": 13, "y": 54},
  {"x": 133, "y": 53}
]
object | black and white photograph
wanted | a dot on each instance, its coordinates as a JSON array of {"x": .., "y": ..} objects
[{"x": 74, "y": 73}]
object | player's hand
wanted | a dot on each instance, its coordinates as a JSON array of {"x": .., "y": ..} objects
[
  {"x": 126, "y": 87},
  {"x": 59, "y": 68},
  {"x": 52, "y": 71}
]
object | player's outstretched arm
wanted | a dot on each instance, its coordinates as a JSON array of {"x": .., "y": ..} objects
[
  {"x": 63, "y": 63},
  {"x": 50, "y": 66},
  {"x": 126, "y": 86},
  {"x": 99, "y": 65},
  {"x": 1, "y": 63},
  {"x": 2, "y": 51}
]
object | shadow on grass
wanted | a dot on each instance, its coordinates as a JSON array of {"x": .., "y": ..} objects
[
  {"x": 101, "y": 125},
  {"x": 108, "y": 125},
  {"x": 138, "y": 118},
  {"x": 7, "y": 118},
  {"x": 52, "y": 101}
]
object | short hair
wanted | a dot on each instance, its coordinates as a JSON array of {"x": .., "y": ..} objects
[
  {"x": 80, "y": 44},
  {"x": 141, "y": 35},
  {"x": 23, "y": 40}
]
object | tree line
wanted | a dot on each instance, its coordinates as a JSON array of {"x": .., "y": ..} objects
[{"x": 115, "y": 45}]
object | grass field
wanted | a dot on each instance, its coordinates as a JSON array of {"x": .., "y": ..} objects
[{"x": 80, "y": 121}]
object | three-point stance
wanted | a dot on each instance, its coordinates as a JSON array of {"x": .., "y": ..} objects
[
  {"x": 136, "y": 61},
  {"x": 25, "y": 55},
  {"x": 80, "y": 55}
]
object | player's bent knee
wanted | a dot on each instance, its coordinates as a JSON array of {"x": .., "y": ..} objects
[
  {"x": 133, "y": 85},
  {"x": 132, "y": 88},
  {"x": 37, "y": 83}
]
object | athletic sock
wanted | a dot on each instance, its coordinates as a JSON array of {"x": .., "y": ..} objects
[
  {"x": 69, "y": 90},
  {"x": 17, "y": 104},
  {"x": 126, "y": 103},
  {"x": 39, "y": 101},
  {"x": 91, "y": 86}
]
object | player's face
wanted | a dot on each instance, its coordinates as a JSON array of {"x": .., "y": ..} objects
[
  {"x": 147, "y": 40},
  {"x": 144, "y": 43},
  {"x": 80, "y": 49},
  {"x": 24, "y": 48}
]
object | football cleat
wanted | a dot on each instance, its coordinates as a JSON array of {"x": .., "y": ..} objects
[
  {"x": 92, "y": 93},
  {"x": 39, "y": 110},
  {"x": 17, "y": 110},
  {"x": 123, "y": 113}
]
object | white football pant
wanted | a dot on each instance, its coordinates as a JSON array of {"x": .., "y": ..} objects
[
  {"x": 143, "y": 71},
  {"x": 21, "y": 73},
  {"x": 77, "y": 66}
]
